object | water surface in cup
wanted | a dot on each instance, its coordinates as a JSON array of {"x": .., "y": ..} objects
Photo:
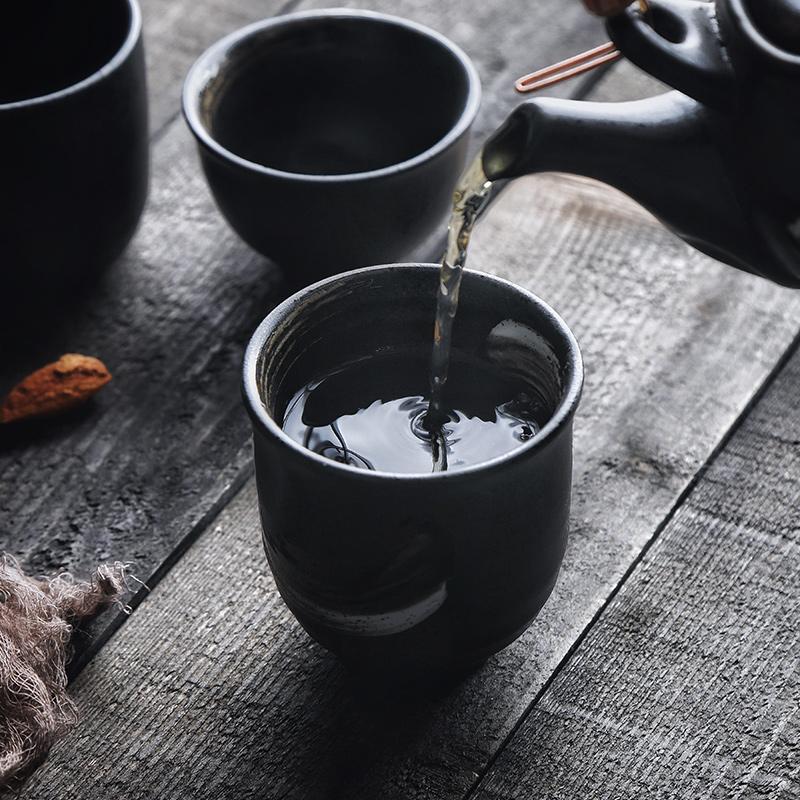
[{"x": 371, "y": 414}]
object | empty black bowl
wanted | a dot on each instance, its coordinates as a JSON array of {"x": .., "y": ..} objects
[{"x": 332, "y": 139}]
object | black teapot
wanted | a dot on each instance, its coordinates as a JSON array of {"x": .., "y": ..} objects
[{"x": 717, "y": 160}]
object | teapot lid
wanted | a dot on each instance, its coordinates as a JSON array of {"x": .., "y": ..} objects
[{"x": 773, "y": 26}]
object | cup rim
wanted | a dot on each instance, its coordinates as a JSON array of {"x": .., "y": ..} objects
[
  {"x": 213, "y": 57},
  {"x": 119, "y": 58},
  {"x": 565, "y": 410}
]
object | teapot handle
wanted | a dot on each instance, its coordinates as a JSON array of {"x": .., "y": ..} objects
[{"x": 678, "y": 42}]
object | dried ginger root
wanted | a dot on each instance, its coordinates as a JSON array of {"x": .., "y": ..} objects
[{"x": 57, "y": 387}]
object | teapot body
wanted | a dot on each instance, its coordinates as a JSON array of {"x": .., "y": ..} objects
[
  {"x": 740, "y": 59},
  {"x": 716, "y": 160}
]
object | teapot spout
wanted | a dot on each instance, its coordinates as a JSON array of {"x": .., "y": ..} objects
[
  {"x": 663, "y": 153},
  {"x": 617, "y": 143},
  {"x": 655, "y": 150}
]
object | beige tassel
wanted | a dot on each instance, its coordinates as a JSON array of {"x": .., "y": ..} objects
[{"x": 36, "y": 618}]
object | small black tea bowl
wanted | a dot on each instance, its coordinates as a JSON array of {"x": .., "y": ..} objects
[
  {"x": 332, "y": 139},
  {"x": 412, "y": 575},
  {"x": 74, "y": 140}
]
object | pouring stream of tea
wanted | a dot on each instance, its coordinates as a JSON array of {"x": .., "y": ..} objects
[
  {"x": 383, "y": 425},
  {"x": 469, "y": 199}
]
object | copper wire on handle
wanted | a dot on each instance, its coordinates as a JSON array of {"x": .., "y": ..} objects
[
  {"x": 577, "y": 65},
  {"x": 569, "y": 68}
]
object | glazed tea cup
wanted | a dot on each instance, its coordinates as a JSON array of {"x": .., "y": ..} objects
[
  {"x": 332, "y": 139},
  {"x": 412, "y": 574}
]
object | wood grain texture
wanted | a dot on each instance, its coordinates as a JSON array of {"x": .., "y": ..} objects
[
  {"x": 212, "y": 690},
  {"x": 135, "y": 475},
  {"x": 688, "y": 686}
]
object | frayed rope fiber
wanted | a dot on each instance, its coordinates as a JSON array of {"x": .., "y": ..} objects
[{"x": 36, "y": 619}]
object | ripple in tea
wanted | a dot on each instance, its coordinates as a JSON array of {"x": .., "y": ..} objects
[{"x": 372, "y": 415}]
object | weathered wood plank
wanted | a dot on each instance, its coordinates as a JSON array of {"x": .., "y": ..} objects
[
  {"x": 212, "y": 690},
  {"x": 138, "y": 474},
  {"x": 688, "y": 685}
]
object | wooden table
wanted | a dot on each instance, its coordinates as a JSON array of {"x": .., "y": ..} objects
[{"x": 667, "y": 662}]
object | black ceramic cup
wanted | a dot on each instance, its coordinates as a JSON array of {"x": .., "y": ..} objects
[
  {"x": 412, "y": 575},
  {"x": 74, "y": 139},
  {"x": 332, "y": 139}
]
